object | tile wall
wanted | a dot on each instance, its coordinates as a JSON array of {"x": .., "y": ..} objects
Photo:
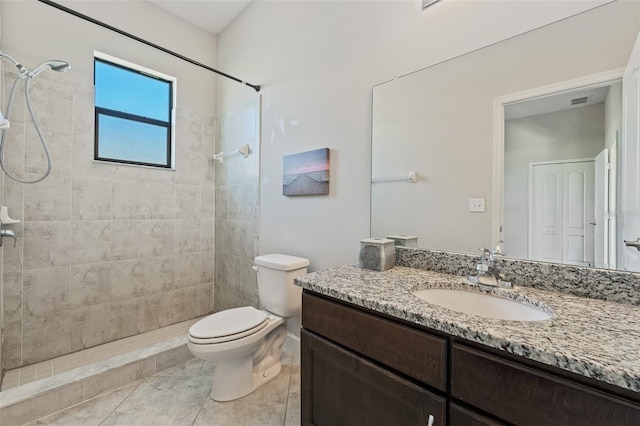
[
  {"x": 237, "y": 208},
  {"x": 104, "y": 251}
]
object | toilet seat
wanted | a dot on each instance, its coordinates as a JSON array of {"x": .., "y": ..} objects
[{"x": 228, "y": 325}]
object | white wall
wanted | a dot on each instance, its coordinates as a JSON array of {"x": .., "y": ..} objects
[
  {"x": 563, "y": 135},
  {"x": 317, "y": 62}
]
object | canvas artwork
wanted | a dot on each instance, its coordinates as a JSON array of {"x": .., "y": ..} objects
[{"x": 306, "y": 173}]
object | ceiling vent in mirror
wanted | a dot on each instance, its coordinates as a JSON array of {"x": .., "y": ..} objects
[{"x": 578, "y": 101}]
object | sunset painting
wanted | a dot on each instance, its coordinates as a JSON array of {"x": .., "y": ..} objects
[{"x": 306, "y": 173}]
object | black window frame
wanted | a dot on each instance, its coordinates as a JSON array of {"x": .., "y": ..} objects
[{"x": 168, "y": 125}]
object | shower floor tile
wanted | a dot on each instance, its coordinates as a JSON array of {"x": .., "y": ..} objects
[{"x": 42, "y": 370}]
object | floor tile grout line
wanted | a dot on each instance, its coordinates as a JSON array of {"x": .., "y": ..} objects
[
  {"x": 121, "y": 402},
  {"x": 286, "y": 405}
]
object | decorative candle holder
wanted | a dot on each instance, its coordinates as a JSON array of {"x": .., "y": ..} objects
[
  {"x": 377, "y": 254},
  {"x": 404, "y": 240}
]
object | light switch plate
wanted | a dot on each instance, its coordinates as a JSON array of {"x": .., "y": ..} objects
[{"x": 476, "y": 205}]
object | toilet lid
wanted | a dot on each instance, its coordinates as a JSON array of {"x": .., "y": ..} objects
[
  {"x": 228, "y": 322},
  {"x": 224, "y": 339}
]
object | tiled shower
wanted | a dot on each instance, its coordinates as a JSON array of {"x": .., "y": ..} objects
[
  {"x": 107, "y": 251},
  {"x": 237, "y": 208},
  {"x": 104, "y": 251}
]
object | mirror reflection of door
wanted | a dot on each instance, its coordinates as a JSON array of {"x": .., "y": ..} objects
[
  {"x": 598, "y": 122},
  {"x": 629, "y": 214},
  {"x": 605, "y": 248},
  {"x": 561, "y": 212},
  {"x": 554, "y": 207}
]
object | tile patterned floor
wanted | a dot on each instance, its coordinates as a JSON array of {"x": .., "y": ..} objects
[
  {"x": 180, "y": 396},
  {"x": 22, "y": 376}
]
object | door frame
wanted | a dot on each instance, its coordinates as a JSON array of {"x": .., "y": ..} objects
[{"x": 605, "y": 78}]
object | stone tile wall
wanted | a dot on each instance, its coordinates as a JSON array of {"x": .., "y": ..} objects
[
  {"x": 237, "y": 209},
  {"x": 104, "y": 251}
]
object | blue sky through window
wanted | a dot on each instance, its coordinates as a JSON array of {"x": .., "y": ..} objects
[
  {"x": 126, "y": 100},
  {"x": 132, "y": 141},
  {"x": 129, "y": 91}
]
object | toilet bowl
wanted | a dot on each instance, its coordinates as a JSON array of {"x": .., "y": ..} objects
[{"x": 246, "y": 343}]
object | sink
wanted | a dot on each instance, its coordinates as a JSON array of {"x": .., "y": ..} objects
[{"x": 482, "y": 304}]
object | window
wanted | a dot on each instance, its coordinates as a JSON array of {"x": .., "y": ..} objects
[{"x": 133, "y": 113}]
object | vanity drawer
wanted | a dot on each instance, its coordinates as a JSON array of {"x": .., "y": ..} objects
[
  {"x": 525, "y": 396},
  {"x": 411, "y": 352}
]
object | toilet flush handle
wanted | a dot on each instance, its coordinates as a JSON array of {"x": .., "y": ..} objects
[{"x": 255, "y": 268}]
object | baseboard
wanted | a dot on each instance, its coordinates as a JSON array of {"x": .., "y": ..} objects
[{"x": 292, "y": 345}]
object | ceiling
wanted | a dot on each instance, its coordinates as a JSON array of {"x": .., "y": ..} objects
[
  {"x": 211, "y": 15},
  {"x": 556, "y": 102}
]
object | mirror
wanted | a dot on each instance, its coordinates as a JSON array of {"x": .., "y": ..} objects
[{"x": 446, "y": 124}]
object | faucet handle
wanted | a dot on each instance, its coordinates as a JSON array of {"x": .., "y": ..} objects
[{"x": 486, "y": 256}]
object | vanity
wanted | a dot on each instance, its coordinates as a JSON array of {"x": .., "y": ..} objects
[{"x": 373, "y": 353}]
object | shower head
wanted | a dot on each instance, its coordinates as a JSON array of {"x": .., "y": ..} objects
[
  {"x": 55, "y": 65},
  {"x": 60, "y": 66}
]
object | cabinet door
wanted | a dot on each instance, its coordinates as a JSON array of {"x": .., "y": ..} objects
[{"x": 339, "y": 388}]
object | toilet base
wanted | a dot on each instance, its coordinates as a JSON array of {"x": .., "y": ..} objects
[
  {"x": 235, "y": 378},
  {"x": 227, "y": 389}
]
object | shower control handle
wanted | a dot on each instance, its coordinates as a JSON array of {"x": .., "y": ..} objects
[{"x": 7, "y": 233}]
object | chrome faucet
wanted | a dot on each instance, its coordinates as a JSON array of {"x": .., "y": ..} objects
[
  {"x": 7, "y": 233},
  {"x": 486, "y": 271},
  {"x": 487, "y": 274}
]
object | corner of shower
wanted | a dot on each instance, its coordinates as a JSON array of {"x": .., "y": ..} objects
[{"x": 1, "y": 200}]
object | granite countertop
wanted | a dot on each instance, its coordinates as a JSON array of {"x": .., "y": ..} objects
[{"x": 594, "y": 338}]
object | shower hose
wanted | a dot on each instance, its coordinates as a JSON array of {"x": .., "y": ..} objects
[{"x": 36, "y": 125}]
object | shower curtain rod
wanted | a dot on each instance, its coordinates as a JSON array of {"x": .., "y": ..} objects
[{"x": 58, "y": 6}]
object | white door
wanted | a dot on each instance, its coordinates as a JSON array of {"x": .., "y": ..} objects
[
  {"x": 545, "y": 236},
  {"x": 613, "y": 201},
  {"x": 629, "y": 213},
  {"x": 561, "y": 212},
  {"x": 601, "y": 211},
  {"x": 578, "y": 213}
]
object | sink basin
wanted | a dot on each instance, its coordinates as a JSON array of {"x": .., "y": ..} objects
[{"x": 482, "y": 304}]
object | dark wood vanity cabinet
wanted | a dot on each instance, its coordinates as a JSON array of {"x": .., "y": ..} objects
[
  {"x": 346, "y": 389},
  {"x": 525, "y": 396},
  {"x": 363, "y": 368},
  {"x": 343, "y": 387}
]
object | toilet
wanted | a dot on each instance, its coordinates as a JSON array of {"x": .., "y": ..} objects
[{"x": 246, "y": 343}]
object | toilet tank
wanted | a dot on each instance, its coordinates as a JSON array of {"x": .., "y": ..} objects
[{"x": 277, "y": 292}]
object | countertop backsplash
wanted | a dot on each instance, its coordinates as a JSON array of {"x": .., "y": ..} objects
[{"x": 604, "y": 284}]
